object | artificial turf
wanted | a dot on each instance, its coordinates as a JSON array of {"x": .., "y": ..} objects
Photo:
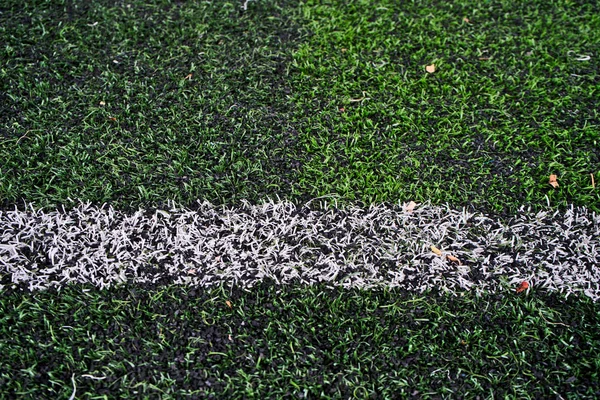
[
  {"x": 291, "y": 342},
  {"x": 136, "y": 103}
]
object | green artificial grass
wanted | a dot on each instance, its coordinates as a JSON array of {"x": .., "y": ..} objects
[
  {"x": 140, "y": 102},
  {"x": 286, "y": 342},
  {"x": 299, "y": 100}
]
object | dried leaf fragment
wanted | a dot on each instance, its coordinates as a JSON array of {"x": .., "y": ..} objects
[
  {"x": 553, "y": 181},
  {"x": 522, "y": 287},
  {"x": 188, "y": 77},
  {"x": 436, "y": 250},
  {"x": 453, "y": 259},
  {"x": 430, "y": 68},
  {"x": 410, "y": 206},
  {"x": 593, "y": 183},
  {"x": 466, "y": 20},
  {"x": 228, "y": 303}
]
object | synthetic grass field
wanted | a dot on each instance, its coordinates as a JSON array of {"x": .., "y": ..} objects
[{"x": 472, "y": 104}]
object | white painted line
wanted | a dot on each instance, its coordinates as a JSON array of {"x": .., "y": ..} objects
[{"x": 352, "y": 247}]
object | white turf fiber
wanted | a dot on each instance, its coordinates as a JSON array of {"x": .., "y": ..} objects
[{"x": 379, "y": 246}]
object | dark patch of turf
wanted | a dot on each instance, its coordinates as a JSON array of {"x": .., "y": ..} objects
[
  {"x": 283, "y": 342},
  {"x": 219, "y": 135}
]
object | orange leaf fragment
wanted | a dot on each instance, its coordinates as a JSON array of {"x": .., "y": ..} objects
[
  {"x": 430, "y": 68},
  {"x": 188, "y": 76},
  {"x": 228, "y": 303},
  {"x": 522, "y": 287},
  {"x": 553, "y": 181},
  {"x": 112, "y": 119},
  {"x": 436, "y": 250},
  {"x": 453, "y": 259}
]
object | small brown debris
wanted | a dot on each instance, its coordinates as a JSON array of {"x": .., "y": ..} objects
[
  {"x": 430, "y": 68},
  {"x": 188, "y": 77},
  {"x": 522, "y": 287},
  {"x": 453, "y": 259},
  {"x": 228, "y": 303},
  {"x": 553, "y": 182},
  {"x": 593, "y": 183}
]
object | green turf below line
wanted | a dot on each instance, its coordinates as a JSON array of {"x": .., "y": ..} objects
[{"x": 288, "y": 342}]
